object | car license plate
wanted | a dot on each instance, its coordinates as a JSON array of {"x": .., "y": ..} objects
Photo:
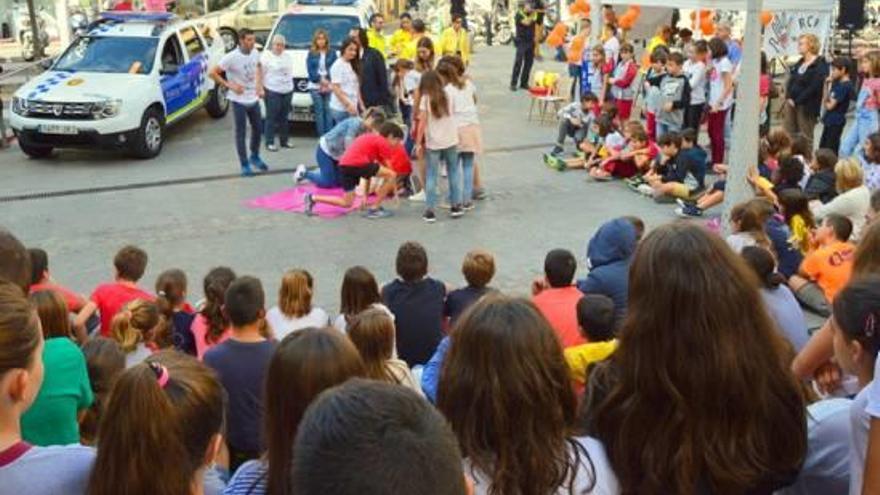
[
  {"x": 302, "y": 117},
  {"x": 58, "y": 129}
]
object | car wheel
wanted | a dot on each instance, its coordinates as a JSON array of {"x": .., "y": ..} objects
[
  {"x": 230, "y": 40},
  {"x": 150, "y": 136},
  {"x": 34, "y": 150},
  {"x": 218, "y": 103}
]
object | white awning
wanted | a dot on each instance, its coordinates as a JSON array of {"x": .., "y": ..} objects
[{"x": 771, "y": 5}]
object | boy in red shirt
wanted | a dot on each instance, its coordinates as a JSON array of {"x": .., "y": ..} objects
[
  {"x": 556, "y": 297},
  {"x": 130, "y": 263},
  {"x": 368, "y": 156}
]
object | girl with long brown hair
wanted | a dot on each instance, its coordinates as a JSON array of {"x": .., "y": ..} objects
[
  {"x": 697, "y": 398},
  {"x": 305, "y": 364},
  {"x": 294, "y": 310},
  {"x": 372, "y": 333},
  {"x": 440, "y": 133},
  {"x": 505, "y": 390},
  {"x": 52, "y": 419},
  {"x": 211, "y": 325},
  {"x": 161, "y": 430},
  {"x": 748, "y": 228},
  {"x": 171, "y": 297},
  {"x": 345, "y": 87},
  {"x": 423, "y": 62},
  {"x": 25, "y": 468},
  {"x": 105, "y": 362},
  {"x": 359, "y": 292}
]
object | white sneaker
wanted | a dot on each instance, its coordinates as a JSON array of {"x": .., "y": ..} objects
[
  {"x": 299, "y": 174},
  {"x": 646, "y": 190},
  {"x": 418, "y": 197}
]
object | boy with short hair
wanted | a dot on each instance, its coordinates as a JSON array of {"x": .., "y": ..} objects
[
  {"x": 675, "y": 96},
  {"x": 417, "y": 302},
  {"x": 595, "y": 317},
  {"x": 108, "y": 298},
  {"x": 574, "y": 121},
  {"x": 826, "y": 269},
  {"x": 368, "y": 156},
  {"x": 478, "y": 269},
  {"x": 363, "y": 436},
  {"x": 821, "y": 183},
  {"x": 556, "y": 296},
  {"x": 679, "y": 175},
  {"x": 241, "y": 362},
  {"x": 839, "y": 93}
]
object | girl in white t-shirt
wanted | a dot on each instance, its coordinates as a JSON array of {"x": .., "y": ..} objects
[
  {"x": 440, "y": 132},
  {"x": 294, "y": 310},
  {"x": 695, "y": 69},
  {"x": 345, "y": 83},
  {"x": 720, "y": 97},
  {"x": 470, "y": 134}
]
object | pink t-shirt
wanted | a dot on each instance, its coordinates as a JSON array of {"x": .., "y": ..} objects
[
  {"x": 559, "y": 306},
  {"x": 872, "y": 85},
  {"x": 199, "y": 330},
  {"x": 111, "y": 297},
  {"x": 440, "y": 133}
]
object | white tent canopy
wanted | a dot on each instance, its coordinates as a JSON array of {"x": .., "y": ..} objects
[{"x": 772, "y": 5}]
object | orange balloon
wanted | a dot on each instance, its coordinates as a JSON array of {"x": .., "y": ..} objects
[
  {"x": 707, "y": 27},
  {"x": 626, "y": 21},
  {"x": 766, "y": 17},
  {"x": 706, "y": 13}
]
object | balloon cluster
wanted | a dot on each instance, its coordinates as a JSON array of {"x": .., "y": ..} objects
[
  {"x": 579, "y": 7},
  {"x": 629, "y": 18}
]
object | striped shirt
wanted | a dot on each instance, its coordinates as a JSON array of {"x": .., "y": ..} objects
[{"x": 251, "y": 478}]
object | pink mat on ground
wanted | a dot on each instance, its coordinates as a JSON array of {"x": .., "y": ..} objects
[{"x": 293, "y": 200}]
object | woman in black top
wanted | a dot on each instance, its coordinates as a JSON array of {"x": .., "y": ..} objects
[{"x": 804, "y": 89}]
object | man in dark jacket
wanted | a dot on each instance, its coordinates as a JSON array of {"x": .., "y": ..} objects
[
  {"x": 375, "y": 90},
  {"x": 609, "y": 254},
  {"x": 525, "y": 46}
]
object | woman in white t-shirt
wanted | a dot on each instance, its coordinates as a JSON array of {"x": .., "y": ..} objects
[
  {"x": 720, "y": 97},
  {"x": 345, "y": 83},
  {"x": 277, "y": 67},
  {"x": 440, "y": 132},
  {"x": 294, "y": 310},
  {"x": 507, "y": 394},
  {"x": 470, "y": 135}
]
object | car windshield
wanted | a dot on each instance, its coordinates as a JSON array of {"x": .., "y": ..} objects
[
  {"x": 299, "y": 29},
  {"x": 114, "y": 54}
]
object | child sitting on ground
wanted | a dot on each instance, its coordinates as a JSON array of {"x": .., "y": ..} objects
[
  {"x": 795, "y": 207},
  {"x": 827, "y": 268},
  {"x": 677, "y": 169},
  {"x": 821, "y": 183},
  {"x": 368, "y": 156},
  {"x": 574, "y": 121},
  {"x": 478, "y": 269},
  {"x": 595, "y": 317},
  {"x": 715, "y": 195},
  {"x": 635, "y": 158},
  {"x": 602, "y": 140},
  {"x": 556, "y": 296}
]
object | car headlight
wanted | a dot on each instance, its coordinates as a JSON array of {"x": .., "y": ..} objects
[
  {"x": 19, "y": 105},
  {"x": 106, "y": 109}
]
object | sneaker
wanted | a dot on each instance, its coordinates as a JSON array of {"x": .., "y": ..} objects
[
  {"x": 418, "y": 197},
  {"x": 467, "y": 206},
  {"x": 376, "y": 213},
  {"x": 557, "y": 150},
  {"x": 246, "y": 171},
  {"x": 287, "y": 144},
  {"x": 310, "y": 204},
  {"x": 480, "y": 194},
  {"x": 299, "y": 174},
  {"x": 456, "y": 212},
  {"x": 689, "y": 211},
  {"x": 429, "y": 216},
  {"x": 258, "y": 162},
  {"x": 557, "y": 164},
  {"x": 646, "y": 190},
  {"x": 272, "y": 147}
]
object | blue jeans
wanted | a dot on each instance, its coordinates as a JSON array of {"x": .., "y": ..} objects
[
  {"x": 866, "y": 123},
  {"x": 337, "y": 116},
  {"x": 466, "y": 158},
  {"x": 277, "y": 110},
  {"x": 242, "y": 115},
  {"x": 327, "y": 175},
  {"x": 453, "y": 167},
  {"x": 323, "y": 120}
]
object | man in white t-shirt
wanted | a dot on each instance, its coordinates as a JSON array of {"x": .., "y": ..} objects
[{"x": 244, "y": 80}]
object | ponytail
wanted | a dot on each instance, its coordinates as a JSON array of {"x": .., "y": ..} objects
[
  {"x": 215, "y": 284},
  {"x": 134, "y": 323},
  {"x": 160, "y": 420},
  {"x": 171, "y": 293}
]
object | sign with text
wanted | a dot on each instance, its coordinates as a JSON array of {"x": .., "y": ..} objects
[{"x": 781, "y": 35}]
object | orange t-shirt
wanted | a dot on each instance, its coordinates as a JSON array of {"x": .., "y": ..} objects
[
  {"x": 559, "y": 306},
  {"x": 830, "y": 267}
]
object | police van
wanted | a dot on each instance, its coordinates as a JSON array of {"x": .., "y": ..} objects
[
  {"x": 120, "y": 85},
  {"x": 298, "y": 25}
]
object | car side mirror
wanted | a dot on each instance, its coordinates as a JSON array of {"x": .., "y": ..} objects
[{"x": 169, "y": 69}]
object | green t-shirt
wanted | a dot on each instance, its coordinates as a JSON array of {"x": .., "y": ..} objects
[{"x": 52, "y": 419}]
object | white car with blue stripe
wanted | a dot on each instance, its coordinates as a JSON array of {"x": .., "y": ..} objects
[{"x": 120, "y": 85}]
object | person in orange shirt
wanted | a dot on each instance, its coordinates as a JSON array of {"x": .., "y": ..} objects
[
  {"x": 827, "y": 268},
  {"x": 556, "y": 297},
  {"x": 576, "y": 54}
]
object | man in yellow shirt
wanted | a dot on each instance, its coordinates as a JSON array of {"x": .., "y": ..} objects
[
  {"x": 595, "y": 315},
  {"x": 402, "y": 36},
  {"x": 375, "y": 36},
  {"x": 455, "y": 40},
  {"x": 418, "y": 32}
]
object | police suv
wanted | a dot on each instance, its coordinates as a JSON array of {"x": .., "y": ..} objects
[{"x": 120, "y": 85}]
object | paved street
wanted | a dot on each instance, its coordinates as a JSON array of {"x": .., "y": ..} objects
[{"x": 202, "y": 222}]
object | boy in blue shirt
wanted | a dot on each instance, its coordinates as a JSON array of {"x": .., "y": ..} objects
[{"x": 836, "y": 103}]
